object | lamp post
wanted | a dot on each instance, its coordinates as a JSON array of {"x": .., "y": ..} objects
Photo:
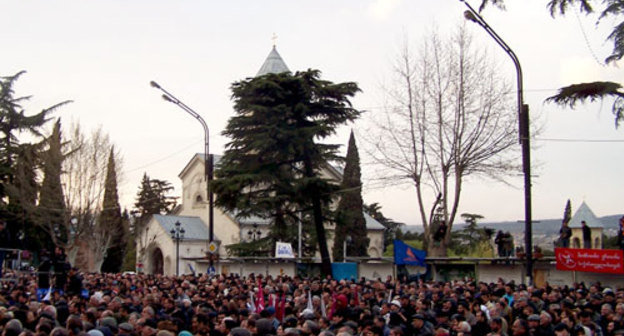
[
  {"x": 177, "y": 234},
  {"x": 208, "y": 158},
  {"x": 523, "y": 131}
]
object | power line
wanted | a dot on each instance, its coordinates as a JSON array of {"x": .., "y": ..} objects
[{"x": 168, "y": 156}]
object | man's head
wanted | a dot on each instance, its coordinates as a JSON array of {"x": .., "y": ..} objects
[
  {"x": 562, "y": 329},
  {"x": 519, "y": 327},
  {"x": 585, "y": 317},
  {"x": 496, "y": 324},
  {"x": 418, "y": 320},
  {"x": 534, "y": 321}
]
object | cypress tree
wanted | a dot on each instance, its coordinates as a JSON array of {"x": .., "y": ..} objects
[
  {"x": 567, "y": 212},
  {"x": 270, "y": 167},
  {"x": 52, "y": 212},
  {"x": 110, "y": 219},
  {"x": 350, "y": 219}
]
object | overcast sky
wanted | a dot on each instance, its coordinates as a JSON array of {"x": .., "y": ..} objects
[{"x": 103, "y": 54}]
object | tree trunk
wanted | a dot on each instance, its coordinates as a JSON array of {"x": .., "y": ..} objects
[
  {"x": 72, "y": 253},
  {"x": 436, "y": 249},
  {"x": 318, "y": 221}
]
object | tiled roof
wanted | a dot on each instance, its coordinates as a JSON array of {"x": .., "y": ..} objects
[{"x": 194, "y": 227}]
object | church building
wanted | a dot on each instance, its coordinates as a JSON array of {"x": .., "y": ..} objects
[
  {"x": 584, "y": 213},
  {"x": 156, "y": 249}
]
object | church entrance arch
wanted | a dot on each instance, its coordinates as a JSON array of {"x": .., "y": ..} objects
[{"x": 157, "y": 261}]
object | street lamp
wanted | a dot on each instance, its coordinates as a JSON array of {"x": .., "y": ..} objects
[
  {"x": 177, "y": 234},
  {"x": 208, "y": 158},
  {"x": 523, "y": 131}
]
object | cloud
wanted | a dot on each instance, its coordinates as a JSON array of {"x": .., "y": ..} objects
[{"x": 381, "y": 10}]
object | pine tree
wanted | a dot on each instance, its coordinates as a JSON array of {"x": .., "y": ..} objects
[
  {"x": 13, "y": 121},
  {"x": 152, "y": 198},
  {"x": 23, "y": 193},
  {"x": 350, "y": 221},
  {"x": 270, "y": 167},
  {"x": 52, "y": 214},
  {"x": 110, "y": 220}
]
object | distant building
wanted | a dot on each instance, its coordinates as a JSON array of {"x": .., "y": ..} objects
[{"x": 584, "y": 213}]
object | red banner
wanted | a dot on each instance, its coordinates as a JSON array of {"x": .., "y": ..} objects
[{"x": 588, "y": 260}]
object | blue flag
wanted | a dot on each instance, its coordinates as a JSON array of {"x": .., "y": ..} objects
[{"x": 407, "y": 255}]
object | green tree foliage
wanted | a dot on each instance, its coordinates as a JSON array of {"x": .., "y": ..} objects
[
  {"x": 567, "y": 212},
  {"x": 52, "y": 214},
  {"x": 152, "y": 198},
  {"x": 392, "y": 229},
  {"x": 350, "y": 221},
  {"x": 130, "y": 257},
  {"x": 111, "y": 220},
  {"x": 13, "y": 122},
  {"x": 23, "y": 193},
  {"x": 471, "y": 239},
  {"x": 270, "y": 168},
  {"x": 579, "y": 93}
]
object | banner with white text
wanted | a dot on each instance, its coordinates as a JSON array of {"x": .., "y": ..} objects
[{"x": 590, "y": 260}]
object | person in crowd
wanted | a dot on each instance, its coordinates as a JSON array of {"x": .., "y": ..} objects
[
  {"x": 620, "y": 238},
  {"x": 5, "y": 244},
  {"x": 565, "y": 233},
  {"x": 202, "y": 305},
  {"x": 499, "y": 240},
  {"x": 587, "y": 236}
]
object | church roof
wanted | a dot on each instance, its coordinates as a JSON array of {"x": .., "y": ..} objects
[
  {"x": 273, "y": 64},
  {"x": 194, "y": 227},
  {"x": 584, "y": 213},
  {"x": 372, "y": 223}
]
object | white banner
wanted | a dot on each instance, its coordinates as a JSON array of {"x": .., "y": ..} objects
[{"x": 283, "y": 250}]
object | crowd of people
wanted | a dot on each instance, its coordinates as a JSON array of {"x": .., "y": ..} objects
[{"x": 155, "y": 305}]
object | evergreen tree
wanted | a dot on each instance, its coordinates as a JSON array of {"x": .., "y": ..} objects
[
  {"x": 52, "y": 214},
  {"x": 13, "y": 121},
  {"x": 567, "y": 213},
  {"x": 110, "y": 220},
  {"x": 23, "y": 193},
  {"x": 270, "y": 167},
  {"x": 152, "y": 198},
  {"x": 468, "y": 239},
  {"x": 350, "y": 221}
]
